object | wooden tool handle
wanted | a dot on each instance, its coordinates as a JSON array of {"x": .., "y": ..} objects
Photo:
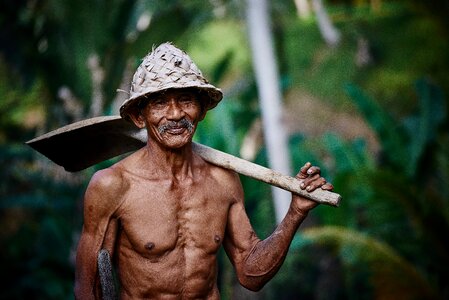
[
  {"x": 88, "y": 142},
  {"x": 263, "y": 174}
]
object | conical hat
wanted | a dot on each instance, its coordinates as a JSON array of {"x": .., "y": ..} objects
[{"x": 168, "y": 67}]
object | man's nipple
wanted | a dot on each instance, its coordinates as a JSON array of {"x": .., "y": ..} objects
[{"x": 149, "y": 246}]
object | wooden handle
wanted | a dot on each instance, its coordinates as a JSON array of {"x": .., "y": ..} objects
[
  {"x": 263, "y": 174},
  {"x": 88, "y": 142}
]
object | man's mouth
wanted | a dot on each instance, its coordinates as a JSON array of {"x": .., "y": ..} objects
[
  {"x": 175, "y": 130},
  {"x": 176, "y": 127}
]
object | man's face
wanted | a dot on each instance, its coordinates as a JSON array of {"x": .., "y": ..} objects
[{"x": 171, "y": 117}]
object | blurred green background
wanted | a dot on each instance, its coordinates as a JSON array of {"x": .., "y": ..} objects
[{"x": 371, "y": 110}]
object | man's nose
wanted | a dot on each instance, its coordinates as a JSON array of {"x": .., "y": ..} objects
[{"x": 175, "y": 111}]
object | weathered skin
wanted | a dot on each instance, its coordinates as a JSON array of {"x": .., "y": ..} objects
[{"x": 163, "y": 213}]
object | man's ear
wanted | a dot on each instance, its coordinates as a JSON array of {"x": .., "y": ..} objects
[
  {"x": 204, "y": 100},
  {"x": 203, "y": 114},
  {"x": 137, "y": 118}
]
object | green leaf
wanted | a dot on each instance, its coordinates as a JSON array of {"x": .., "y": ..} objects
[
  {"x": 392, "y": 276},
  {"x": 422, "y": 128},
  {"x": 390, "y": 134}
]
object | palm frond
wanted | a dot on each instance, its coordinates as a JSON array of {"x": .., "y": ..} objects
[{"x": 392, "y": 276}]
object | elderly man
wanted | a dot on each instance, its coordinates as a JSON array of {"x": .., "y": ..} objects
[{"x": 163, "y": 212}]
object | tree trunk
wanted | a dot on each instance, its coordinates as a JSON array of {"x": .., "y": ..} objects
[
  {"x": 328, "y": 31},
  {"x": 266, "y": 73},
  {"x": 303, "y": 8},
  {"x": 97, "y": 76}
]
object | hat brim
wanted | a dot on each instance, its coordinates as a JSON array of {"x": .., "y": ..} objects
[{"x": 215, "y": 95}]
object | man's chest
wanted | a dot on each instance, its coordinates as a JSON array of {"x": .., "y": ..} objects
[{"x": 158, "y": 219}]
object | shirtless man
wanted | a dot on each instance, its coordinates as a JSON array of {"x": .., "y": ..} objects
[{"x": 163, "y": 212}]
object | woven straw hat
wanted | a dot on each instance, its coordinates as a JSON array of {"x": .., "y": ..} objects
[{"x": 168, "y": 67}]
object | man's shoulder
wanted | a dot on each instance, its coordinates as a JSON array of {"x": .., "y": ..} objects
[
  {"x": 103, "y": 194},
  {"x": 220, "y": 173},
  {"x": 223, "y": 173},
  {"x": 109, "y": 180},
  {"x": 228, "y": 180}
]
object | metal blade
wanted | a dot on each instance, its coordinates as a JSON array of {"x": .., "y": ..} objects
[
  {"x": 106, "y": 275},
  {"x": 82, "y": 144}
]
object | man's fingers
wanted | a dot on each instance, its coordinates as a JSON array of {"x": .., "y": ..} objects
[
  {"x": 308, "y": 170},
  {"x": 303, "y": 172},
  {"x": 311, "y": 178},
  {"x": 315, "y": 183},
  {"x": 312, "y": 183},
  {"x": 314, "y": 170},
  {"x": 327, "y": 186}
]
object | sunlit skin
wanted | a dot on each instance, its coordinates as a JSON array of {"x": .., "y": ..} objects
[{"x": 163, "y": 213}]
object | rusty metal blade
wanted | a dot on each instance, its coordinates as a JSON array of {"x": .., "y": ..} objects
[
  {"x": 106, "y": 275},
  {"x": 82, "y": 144}
]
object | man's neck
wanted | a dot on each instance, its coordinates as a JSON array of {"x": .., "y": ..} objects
[{"x": 169, "y": 162}]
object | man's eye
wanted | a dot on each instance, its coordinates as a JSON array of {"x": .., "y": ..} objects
[
  {"x": 186, "y": 99},
  {"x": 158, "y": 102}
]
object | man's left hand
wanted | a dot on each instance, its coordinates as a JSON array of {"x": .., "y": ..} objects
[{"x": 311, "y": 180}]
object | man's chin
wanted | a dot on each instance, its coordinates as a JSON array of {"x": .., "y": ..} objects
[{"x": 176, "y": 141}]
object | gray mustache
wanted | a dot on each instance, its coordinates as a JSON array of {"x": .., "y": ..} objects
[{"x": 176, "y": 124}]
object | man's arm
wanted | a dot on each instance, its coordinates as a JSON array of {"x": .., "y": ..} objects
[
  {"x": 257, "y": 261},
  {"x": 99, "y": 205}
]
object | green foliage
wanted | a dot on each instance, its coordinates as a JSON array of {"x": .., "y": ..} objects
[
  {"x": 396, "y": 218},
  {"x": 404, "y": 44},
  {"x": 403, "y": 144},
  {"x": 20, "y": 107},
  {"x": 233, "y": 45},
  {"x": 388, "y": 237},
  {"x": 391, "y": 275},
  {"x": 37, "y": 229}
]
